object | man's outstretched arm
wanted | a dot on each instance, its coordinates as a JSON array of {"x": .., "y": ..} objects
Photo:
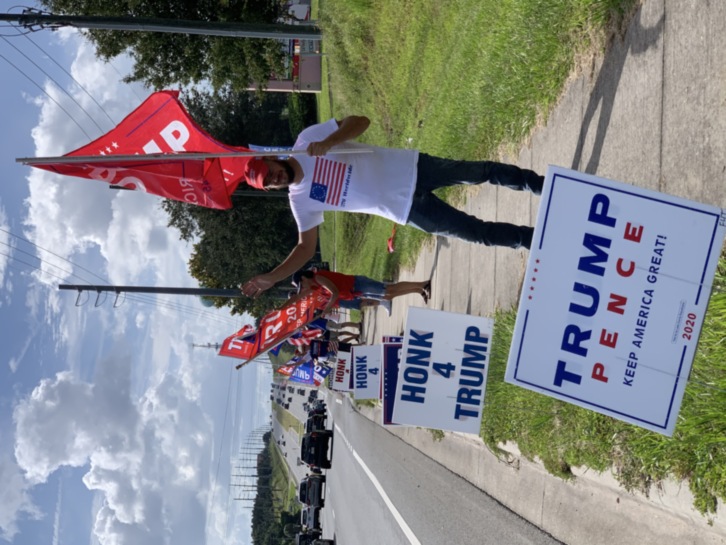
[
  {"x": 301, "y": 254},
  {"x": 348, "y": 128}
]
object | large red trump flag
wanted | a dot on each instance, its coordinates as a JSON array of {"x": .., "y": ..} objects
[{"x": 161, "y": 125}]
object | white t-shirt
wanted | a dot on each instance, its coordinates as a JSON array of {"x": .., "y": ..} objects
[{"x": 380, "y": 182}]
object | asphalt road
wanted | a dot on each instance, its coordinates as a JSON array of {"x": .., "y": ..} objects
[{"x": 381, "y": 490}]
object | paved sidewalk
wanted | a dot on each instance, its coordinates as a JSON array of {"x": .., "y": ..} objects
[{"x": 651, "y": 112}]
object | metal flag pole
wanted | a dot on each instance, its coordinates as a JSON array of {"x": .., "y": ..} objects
[{"x": 72, "y": 159}]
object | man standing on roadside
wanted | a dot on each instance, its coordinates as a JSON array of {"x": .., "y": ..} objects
[{"x": 396, "y": 184}]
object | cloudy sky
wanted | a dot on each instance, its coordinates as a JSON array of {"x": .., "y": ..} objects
[{"x": 113, "y": 429}]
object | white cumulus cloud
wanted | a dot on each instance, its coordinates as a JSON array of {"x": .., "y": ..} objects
[
  {"x": 5, "y": 253},
  {"x": 144, "y": 456},
  {"x": 15, "y": 500}
]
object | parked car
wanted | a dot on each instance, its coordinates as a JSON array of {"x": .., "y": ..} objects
[
  {"x": 312, "y": 537},
  {"x": 310, "y": 517},
  {"x": 312, "y": 490},
  {"x": 314, "y": 448},
  {"x": 317, "y": 407},
  {"x": 316, "y": 422},
  {"x": 313, "y": 395},
  {"x": 301, "y": 391}
]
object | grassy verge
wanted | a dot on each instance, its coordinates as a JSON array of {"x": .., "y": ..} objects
[
  {"x": 563, "y": 435},
  {"x": 365, "y": 403},
  {"x": 456, "y": 79},
  {"x": 283, "y": 486}
]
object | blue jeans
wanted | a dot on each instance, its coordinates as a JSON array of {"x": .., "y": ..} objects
[
  {"x": 350, "y": 304},
  {"x": 369, "y": 288},
  {"x": 432, "y": 215}
]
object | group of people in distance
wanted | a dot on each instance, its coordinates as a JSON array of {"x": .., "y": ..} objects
[
  {"x": 396, "y": 184},
  {"x": 351, "y": 291}
]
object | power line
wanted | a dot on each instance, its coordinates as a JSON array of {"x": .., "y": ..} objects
[
  {"x": 232, "y": 441},
  {"x": 55, "y": 82},
  {"x": 59, "y": 65},
  {"x": 123, "y": 79},
  {"x": 37, "y": 247},
  {"x": 224, "y": 425},
  {"x": 17, "y": 31},
  {"x": 162, "y": 303},
  {"x": 48, "y": 95},
  {"x": 32, "y": 30}
]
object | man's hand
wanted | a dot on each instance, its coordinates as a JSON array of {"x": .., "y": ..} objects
[
  {"x": 317, "y": 149},
  {"x": 256, "y": 285},
  {"x": 348, "y": 128}
]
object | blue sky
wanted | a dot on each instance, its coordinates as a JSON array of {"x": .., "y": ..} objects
[{"x": 113, "y": 429}]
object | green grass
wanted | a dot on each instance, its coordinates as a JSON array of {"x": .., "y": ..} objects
[
  {"x": 365, "y": 403},
  {"x": 284, "y": 488},
  {"x": 458, "y": 79},
  {"x": 563, "y": 435}
]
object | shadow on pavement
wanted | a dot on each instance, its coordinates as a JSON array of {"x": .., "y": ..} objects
[{"x": 638, "y": 40}]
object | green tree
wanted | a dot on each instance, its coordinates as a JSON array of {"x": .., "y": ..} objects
[
  {"x": 236, "y": 244},
  {"x": 243, "y": 118},
  {"x": 164, "y": 59}
]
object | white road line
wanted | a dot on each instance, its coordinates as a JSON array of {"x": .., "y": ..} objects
[
  {"x": 338, "y": 401},
  {"x": 396, "y": 515}
]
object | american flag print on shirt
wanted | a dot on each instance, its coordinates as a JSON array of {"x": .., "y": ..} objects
[{"x": 328, "y": 179}]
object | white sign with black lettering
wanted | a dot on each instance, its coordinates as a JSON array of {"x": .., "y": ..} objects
[
  {"x": 443, "y": 370},
  {"x": 367, "y": 371},
  {"x": 341, "y": 372}
]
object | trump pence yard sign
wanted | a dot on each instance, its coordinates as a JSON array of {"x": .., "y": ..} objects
[{"x": 617, "y": 284}]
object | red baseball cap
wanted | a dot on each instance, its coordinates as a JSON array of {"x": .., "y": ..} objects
[{"x": 255, "y": 173}]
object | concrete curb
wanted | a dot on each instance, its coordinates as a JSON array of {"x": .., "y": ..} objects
[{"x": 592, "y": 509}]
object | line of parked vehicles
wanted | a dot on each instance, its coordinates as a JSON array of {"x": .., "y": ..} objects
[
  {"x": 316, "y": 452},
  {"x": 282, "y": 395},
  {"x": 279, "y": 395}
]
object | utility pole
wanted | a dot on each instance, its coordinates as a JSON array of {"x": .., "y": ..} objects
[
  {"x": 201, "y": 292},
  {"x": 33, "y": 18},
  {"x": 216, "y": 346}
]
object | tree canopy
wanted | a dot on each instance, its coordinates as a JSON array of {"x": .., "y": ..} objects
[
  {"x": 234, "y": 245},
  {"x": 164, "y": 59},
  {"x": 269, "y": 523}
]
